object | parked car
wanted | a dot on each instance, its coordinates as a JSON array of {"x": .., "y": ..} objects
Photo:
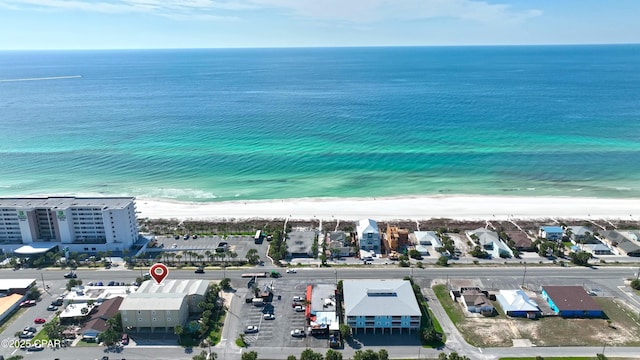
[
  {"x": 177, "y": 237},
  {"x": 269, "y": 316},
  {"x": 57, "y": 302},
  {"x": 298, "y": 299},
  {"x": 299, "y": 308},
  {"x": 111, "y": 283},
  {"x": 199, "y": 270},
  {"x": 291, "y": 271},
  {"x": 35, "y": 347},
  {"x": 251, "y": 329},
  {"x": 195, "y": 237},
  {"x": 99, "y": 283},
  {"x": 26, "y": 335},
  {"x": 298, "y": 333},
  {"x": 125, "y": 339},
  {"x": 52, "y": 308},
  {"x": 186, "y": 237},
  {"x": 39, "y": 320},
  {"x": 28, "y": 303},
  {"x": 29, "y": 329},
  {"x": 70, "y": 275}
]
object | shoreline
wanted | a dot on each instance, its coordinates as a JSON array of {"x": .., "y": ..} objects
[{"x": 455, "y": 207}]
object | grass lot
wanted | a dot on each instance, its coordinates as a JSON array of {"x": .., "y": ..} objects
[
  {"x": 82, "y": 343},
  {"x": 623, "y": 329},
  {"x": 41, "y": 336}
]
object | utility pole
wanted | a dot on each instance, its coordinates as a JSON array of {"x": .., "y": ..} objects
[{"x": 43, "y": 286}]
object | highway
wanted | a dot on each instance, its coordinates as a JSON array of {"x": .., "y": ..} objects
[{"x": 606, "y": 279}]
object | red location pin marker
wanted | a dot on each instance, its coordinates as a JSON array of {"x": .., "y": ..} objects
[{"x": 158, "y": 272}]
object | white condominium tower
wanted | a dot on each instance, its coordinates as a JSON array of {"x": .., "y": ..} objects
[{"x": 80, "y": 224}]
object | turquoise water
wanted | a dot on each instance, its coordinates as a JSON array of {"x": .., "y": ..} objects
[{"x": 211, "y": 125}]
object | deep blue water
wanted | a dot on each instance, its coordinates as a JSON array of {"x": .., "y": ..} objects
[{"x": 218, "y": 124}]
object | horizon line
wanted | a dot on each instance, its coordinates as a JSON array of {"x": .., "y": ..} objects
[{"x": 329, "y": 47}]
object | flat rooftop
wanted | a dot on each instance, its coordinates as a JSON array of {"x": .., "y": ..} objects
[
  {"x": 67, "y": 202},
  {"x": 8, "y": 284}
]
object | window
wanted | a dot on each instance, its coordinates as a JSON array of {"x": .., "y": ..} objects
[
  {"x": 125, "y": 319},
  {"x": 139, "y": 319},
  {"x": 153, "y": 312},
  {"x": 168, "y": 319},
  {"x": 154, "y": 319},
  {"x": 139, "y": 312}
]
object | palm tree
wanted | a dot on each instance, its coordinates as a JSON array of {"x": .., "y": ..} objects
[
  {"x": 208, "y": 255},
  {"x": 179, "y": 257}
]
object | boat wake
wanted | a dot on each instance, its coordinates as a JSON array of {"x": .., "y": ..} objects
[{"x": 43, "y": 78}]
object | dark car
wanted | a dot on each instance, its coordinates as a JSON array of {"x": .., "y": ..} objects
[
  {"x": 199, "y": 270},
  {"x": 52, "y": 308},
  {"x": 70, "y": 275},
  {"x": 57, "y": 302},
  {"x": 177, "y": 237},
  {"x": 111, "y": 283},
  {"x": 195, "y": 237}
]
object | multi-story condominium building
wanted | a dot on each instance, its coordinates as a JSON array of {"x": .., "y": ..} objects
[
  {"x": 368, "y": 235},
  {"x": 79, "y": 224},
  {"x": 385, "y": 305}
]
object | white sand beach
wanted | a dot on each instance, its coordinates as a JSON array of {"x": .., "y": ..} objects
[{"x": 397, "y": 208}]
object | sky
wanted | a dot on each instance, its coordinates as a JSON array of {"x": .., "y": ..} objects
[{"x": 143, "y": 24}]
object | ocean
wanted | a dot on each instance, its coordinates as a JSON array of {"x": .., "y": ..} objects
[{"x": 233, "y": 124}]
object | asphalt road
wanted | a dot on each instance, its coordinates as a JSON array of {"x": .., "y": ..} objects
[{"x": 607, "y": 279}]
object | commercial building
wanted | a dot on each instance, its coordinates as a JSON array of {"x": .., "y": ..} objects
[
  {"x": 300, "y": 243},
  {"x": 368, "y": 235},
  {"x": 163, "y": 306},
  {"x": 98, "y": 318},
  {"x": 79, "y": 224},
  {"x": 15, "y": 286},
  {"x": 571, "y": 301},
  {"x": 381, "y": 305}
]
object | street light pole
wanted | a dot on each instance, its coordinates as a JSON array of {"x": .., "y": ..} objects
[{"x": 525, "y": 274}]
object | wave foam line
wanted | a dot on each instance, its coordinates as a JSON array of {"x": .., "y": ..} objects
[{"x": 43, "y": 78}]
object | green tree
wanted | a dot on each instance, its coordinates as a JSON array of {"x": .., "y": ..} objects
[
  {"x": 249, "y": 355},
  {"x": 110, "y": 336},
  {"x": 53, "y": 329},
  {"x": 365, "y": 355},
  {"x": 15, "y": 357},
  {"x": 333, "y": 355},
  {"x": 252, "y": 256},
  {"x": 34, "y": 293},
  {"x": 383, "y": 354},
  {"x": 205, "y": 356},
  {"x": 601, "y": 357},
  {"x": 345, "y": 330},
  {"x": 443, "y": 261},
  {"x": 308, "y": 354},
  {"x": 580, "y": 258},
  {"x": 291, "y": 357},
  {"x": 225, "y": 284},
  {"x": 178, "y": 330},
  {"x": 635, "y": 283},
  {"x": 73, "y": 283}
]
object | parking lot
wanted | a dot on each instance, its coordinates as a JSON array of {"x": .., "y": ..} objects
[
  {"x": 277, "y": 332},
  {"x": 239, "y": 244}
]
